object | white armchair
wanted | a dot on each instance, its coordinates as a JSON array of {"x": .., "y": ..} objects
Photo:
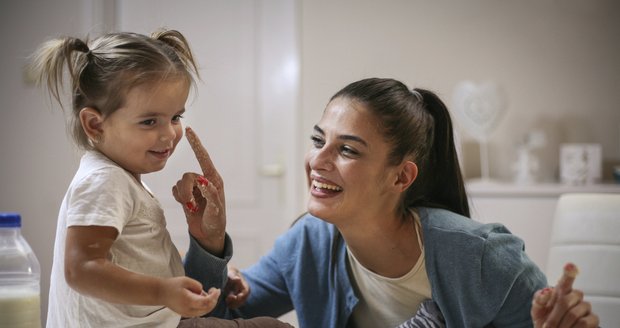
[{"x": 586, "y": 231}]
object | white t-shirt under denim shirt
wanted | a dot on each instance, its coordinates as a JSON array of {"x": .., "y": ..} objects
[
  {"x": 388, "y": 302},
  {"x": 104, "y": 194}
]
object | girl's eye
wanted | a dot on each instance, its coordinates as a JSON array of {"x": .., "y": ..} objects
[
  {"x": 177, "y": 118},
  {"x": 317, "y": 141},
  {"x": 148, "y": 122}
]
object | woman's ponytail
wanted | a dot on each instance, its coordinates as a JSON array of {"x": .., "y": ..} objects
[{"x": 443, "y": 181}]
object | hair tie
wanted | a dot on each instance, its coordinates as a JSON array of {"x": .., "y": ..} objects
[
  {"x": 418, "y": 95},
  {"x": 81, "y": 46}
]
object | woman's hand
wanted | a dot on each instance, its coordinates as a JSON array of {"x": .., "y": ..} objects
[
  {"x": 562, "y": 306},
  {"x": 202, "y": 198},
  {"x": 237, "y": 289}
]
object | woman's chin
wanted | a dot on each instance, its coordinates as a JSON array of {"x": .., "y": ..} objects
[{"x": 321, "y": 212}]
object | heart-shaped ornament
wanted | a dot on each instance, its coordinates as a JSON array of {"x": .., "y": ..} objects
[{"x": 479, "y": 107}]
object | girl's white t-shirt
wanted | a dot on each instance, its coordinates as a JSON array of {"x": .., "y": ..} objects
[
  {"x": 388, "y": 302},
  {"x": 104, "y": 194}
]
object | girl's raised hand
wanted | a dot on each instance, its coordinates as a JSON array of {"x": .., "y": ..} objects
[
  {"x": 202, "y": 198},
  {"x": 562, "y": 306}
]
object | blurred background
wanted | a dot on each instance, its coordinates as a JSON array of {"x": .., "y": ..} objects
[{"x": 268, "y": 68}]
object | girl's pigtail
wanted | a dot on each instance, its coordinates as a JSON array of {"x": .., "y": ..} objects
[
  {"x": 446, "y": 188},
  {"x": 179, "y": 43},
  {"x": 49, "y": 62},
  {"x": 78, "y": 55}
]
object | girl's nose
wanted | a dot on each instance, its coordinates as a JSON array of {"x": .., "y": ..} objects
[{"x": 168, "y": 133}]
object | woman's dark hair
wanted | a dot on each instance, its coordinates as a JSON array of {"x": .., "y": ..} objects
[{"x": 417, "y": 124}]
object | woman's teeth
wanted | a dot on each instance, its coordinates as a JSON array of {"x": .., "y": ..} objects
[{"x": 321, "y": 185}]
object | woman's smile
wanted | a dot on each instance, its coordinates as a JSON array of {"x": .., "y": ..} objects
[{"x": 323, "y": 188}]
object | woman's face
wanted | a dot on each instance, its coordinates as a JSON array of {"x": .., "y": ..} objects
[{"x": 347, "y": 166}]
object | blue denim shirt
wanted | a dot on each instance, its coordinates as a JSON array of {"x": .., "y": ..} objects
[{"x": 479, "y": 273}]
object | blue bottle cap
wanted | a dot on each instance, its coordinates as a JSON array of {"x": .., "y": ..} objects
[{"x": 10, "y": 220}]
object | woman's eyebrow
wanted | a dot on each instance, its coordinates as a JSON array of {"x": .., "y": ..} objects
[
  {"x": 343, "y": 136},
  {"x": 352, "y": 138},
  {"x": 318, "y": 129}
]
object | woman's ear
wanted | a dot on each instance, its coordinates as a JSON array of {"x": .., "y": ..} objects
[
  {"x": 408, "y": 174},
  {"x": 92, "y": 121}
]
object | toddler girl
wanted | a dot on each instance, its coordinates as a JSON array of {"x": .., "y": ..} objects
[{"x": 114, "y": 262}]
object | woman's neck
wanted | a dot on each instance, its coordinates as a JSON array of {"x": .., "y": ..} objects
[{"x": 386, "y": 246}]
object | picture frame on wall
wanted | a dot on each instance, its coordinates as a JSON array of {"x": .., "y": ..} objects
[{"x": 580, "y": 163}]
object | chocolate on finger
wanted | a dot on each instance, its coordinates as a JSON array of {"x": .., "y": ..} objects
[{"x": 202, "y": 155}]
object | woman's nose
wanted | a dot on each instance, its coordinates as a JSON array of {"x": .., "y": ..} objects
[{"x": 321, "y": 159}]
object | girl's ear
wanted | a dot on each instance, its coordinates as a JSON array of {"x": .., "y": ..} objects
[
  {"x": 406, "y": 176},
  {"x": 92, "y": 121}
]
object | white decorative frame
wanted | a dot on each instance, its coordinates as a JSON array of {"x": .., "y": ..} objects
[{"x": 580, "y": 163}]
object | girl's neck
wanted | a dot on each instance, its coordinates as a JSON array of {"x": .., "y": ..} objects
[{"x": 136, "y": 176}]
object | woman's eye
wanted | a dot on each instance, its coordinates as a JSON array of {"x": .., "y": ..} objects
[
  {"x": 349, "y": 151},
  {"x": 317, "y": 141}
]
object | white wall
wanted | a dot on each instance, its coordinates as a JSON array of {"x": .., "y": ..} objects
[
  {"x": 558, "y": 60},
  {"x": 38, "y": 160}
]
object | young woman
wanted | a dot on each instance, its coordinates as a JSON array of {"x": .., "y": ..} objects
[{"x": 387, "y": 240}]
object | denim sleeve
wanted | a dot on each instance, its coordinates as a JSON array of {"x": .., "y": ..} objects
[
  {"x": 512, "y": 279},
  {"x": 269, "y": 290},
  {"x": 209, "y": 270}
]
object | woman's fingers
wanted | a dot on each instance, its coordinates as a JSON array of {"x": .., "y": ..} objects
[
  {"x": 562, "y": 306},
  {"x": 566, "y": 308},
  {"x": 203, "y": 157},
  {"x": 576, "y": 312},
  {"x": 540, "y": 308},
  {"x": 214, "y": 207},
  {"x": 237, "y": 289},
  {"x": 565, "y": 284},
  {"x": 183, "y": 191}
]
